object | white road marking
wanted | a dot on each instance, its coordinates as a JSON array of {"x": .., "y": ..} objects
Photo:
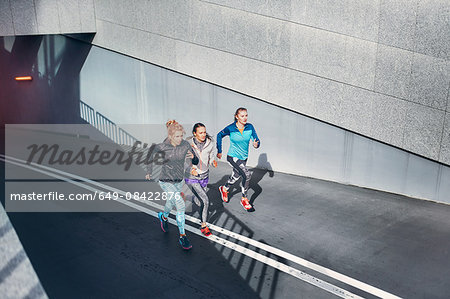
[{"x": 271, "y": 262}]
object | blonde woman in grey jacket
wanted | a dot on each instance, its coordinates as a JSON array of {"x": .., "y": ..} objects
[{"x": 198, "y": 176}]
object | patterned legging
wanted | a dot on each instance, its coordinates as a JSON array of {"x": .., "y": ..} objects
[
  {"x": 239, "y": 170},
  {"x": 174, "y": 200},
  {"x": 199, "y": 188}
]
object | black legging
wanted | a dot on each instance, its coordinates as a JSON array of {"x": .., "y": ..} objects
[{"x": 239, "y": 170}]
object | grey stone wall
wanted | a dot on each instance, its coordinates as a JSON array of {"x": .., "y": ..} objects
[
  {"x": 29, "y": 17},
  {"x": 378, "y": 68}
]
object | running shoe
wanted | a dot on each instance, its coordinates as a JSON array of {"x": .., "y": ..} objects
[
  {"x": 184, "y": 242},
  {"x": 164, "y": 223},
  {"x": 223, "y": 193},
  {"x": 205, "y": 230},
  {"x": 245, "y": 203}
]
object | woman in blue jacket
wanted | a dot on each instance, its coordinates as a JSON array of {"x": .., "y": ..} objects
[{"x": 240, "y": 132}]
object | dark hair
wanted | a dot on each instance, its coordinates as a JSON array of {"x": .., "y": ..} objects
[
  {"x": 198, "y": 125},
  {"x": 237, "y": 112}
]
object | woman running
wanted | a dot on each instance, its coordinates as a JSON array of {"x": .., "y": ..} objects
[
  {"x": 240, "y": 132},
  {"x": 197, "y": 179},
  {"x": 175, "y": 151}
]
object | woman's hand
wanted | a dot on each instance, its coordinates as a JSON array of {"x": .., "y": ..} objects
[
  {"x": 255, "y": 143},
  {"x": 219, "y": 155},
  {"x": 147, "y": 177},
  {"x": 194, "y": 171}
]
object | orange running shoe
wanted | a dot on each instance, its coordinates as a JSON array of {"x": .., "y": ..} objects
[
  {"x": 223, "y": 193},
  {"x": 205, "y": 230},
  {"x": 245, "y": 203}
]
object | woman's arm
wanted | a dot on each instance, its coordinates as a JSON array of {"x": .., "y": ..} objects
[{"x": 220, "y": 135}]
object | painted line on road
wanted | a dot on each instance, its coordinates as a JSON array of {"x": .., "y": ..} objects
[{"x": 300, "y": 275}]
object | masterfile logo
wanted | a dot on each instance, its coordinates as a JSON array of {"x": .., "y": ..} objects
[{"x": 54, "y": 154}]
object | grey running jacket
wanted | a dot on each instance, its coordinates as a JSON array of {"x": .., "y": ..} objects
[
  {"x": 173, "y": 169},
  {"x": 206, "y": 156}
]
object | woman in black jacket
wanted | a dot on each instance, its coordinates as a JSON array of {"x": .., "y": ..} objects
[{"x": 175, "y": 150}]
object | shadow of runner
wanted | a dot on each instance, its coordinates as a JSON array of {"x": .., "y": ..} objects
[{"x": 258, "y": 173}]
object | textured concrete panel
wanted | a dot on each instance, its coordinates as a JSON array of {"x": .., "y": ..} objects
[
  {"x": 254, "y": 6},
  {"x": 278, "y": 88},
  {"x": 397, "y": 23},
  {"x": 103, "y": 10},
  {"x": 208, "y": 26},
  {"x": 149, "y": 47},
  {"x": 24, "y": 17},
  {"x": 132, "y": 42},
  {"x": 169, "y": 18},
  {"x": 122, "y": 14},
  {"x": 332, "y": 55},
  {"x": 240, "y": 79},
  {"x": 302, "y": 92},
  {"x": 301, "y": 43},
  {"x": 388, "y": 119},
  {"x": 444, "y": 155},
  {"x": 299, "y": 11},
  {"x": 143, "y": 15},
  {"x": 360, "y": 60},
  {"x": 247, "y": 35},
  {"x": 448, "y": 99},
  {"x": 423, "y": 130},
  {"x": 356, "y": 109},
  {"x": 177, "y": 14},
  {"x": 103, "y": 31},
  {"x": 328, "y": 53},
  {"x": 354, "y": 18},
  {"x": 328, "y": 100},
  {"x": 318, "y": 52},
  {"x": 6, "y": 21},
  {"x": 124, "y": 39},
  {"x": 279, "y": 47},
  {"x": 429, "y": 81},
  {"x": 433, "y": 29},
  {"x": 47, "y": 16},
  {"x": 237, "y": 33},
  {"x": 393, "y": 71},
  {"x": 69, "y": 16},
  {"x": 87, "y": 15},
  {"x": 280, "y": 9},
  {"x": 192, "y": 59},
  {"x": 291, "y": 89},
  {"x": 256, "y": 79},
  {"x": 257, "y": 37}
]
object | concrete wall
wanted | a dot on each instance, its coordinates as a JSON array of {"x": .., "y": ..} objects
[
  {"x": 378, "y": 68},
  {"x": 29, "y": 17},
  {"x": 129, "y": 92}
]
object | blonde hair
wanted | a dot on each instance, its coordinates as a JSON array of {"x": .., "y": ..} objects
[{"x": 172, "y": 127}]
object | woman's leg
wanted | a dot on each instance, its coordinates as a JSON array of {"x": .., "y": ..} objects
[
  {"x": 200, "y": 192},
  {"x": 239, "y": 169},
  {"x": 174, "y": 199},
  {"x": 167, "y": 187},
  {"x": 181, "y": 207}
]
